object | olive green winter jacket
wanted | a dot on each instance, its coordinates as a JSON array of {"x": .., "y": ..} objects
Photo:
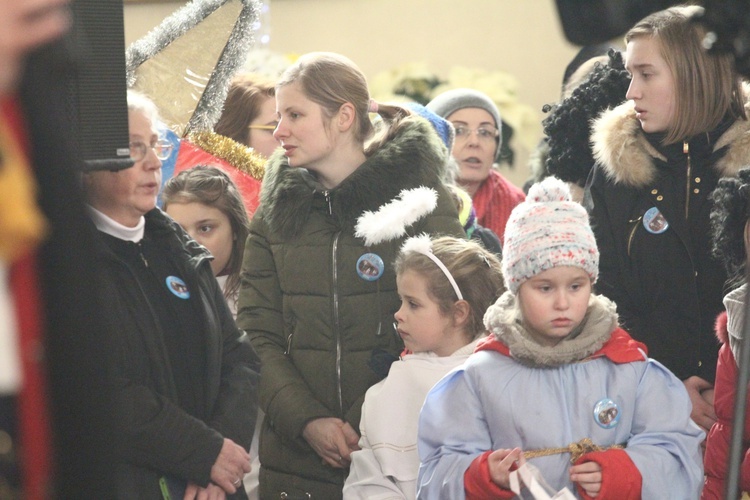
[{"x": 318, "y": 325}]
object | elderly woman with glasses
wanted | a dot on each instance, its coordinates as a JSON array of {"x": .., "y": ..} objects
[
  {"x": 186, "y": 377},
  {"x": 476, "y": 148}
]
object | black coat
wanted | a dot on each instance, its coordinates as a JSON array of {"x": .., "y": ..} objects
[
  {"x": 160, "y": 437},
  {"x": 667, "y": 286}
]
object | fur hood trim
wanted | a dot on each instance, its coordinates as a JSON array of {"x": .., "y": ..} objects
[
  {"x": 390, "y": 221},
  {"x": 414, "y": 158},
  {"x": 721, "y": 327},
  {"x": 626, "y": 156},
  {"x": 504, "y": 320}
]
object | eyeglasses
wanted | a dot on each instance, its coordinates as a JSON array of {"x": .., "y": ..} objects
[
  {"x": 485, "y": 132},
  {"x": 162, "y": 149},
  {"x": 262, "y": 127}
]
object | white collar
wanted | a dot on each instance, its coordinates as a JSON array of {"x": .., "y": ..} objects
[{"x": 107, "y": 225}]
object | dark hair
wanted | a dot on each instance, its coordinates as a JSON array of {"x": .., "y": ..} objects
[
  {"x": 477, "y": 273},
  {"x": 245, "y": 97},
  {"x": 214, "y": 188},
  {"x": 586, "y": 53},
  {"x": 729, "y": 216},
  {"x": 331, "y": 80},
  {"x": 568, "y": 126}
]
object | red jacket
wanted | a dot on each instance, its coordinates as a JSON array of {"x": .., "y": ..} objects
[{"x": 719, "y": 437}]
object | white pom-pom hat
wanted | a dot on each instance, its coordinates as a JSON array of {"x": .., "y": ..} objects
[{"x": 548, "y": 230}]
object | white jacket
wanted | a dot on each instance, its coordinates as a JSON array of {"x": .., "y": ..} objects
[{"x": 387, "y": 465}]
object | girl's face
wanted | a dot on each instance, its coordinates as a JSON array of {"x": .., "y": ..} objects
[
  {"x": 421, "y": 324},
  {"x": 554, "y": 303},
  {"x": 126, "y": 195},
  {"x": 652, "y": 88},
  {"x": 262, "y": 139},
  {"x": 209, "y": 226},
  {"x": 303, "y": 129},
  {"x": 473, "y": 150}
]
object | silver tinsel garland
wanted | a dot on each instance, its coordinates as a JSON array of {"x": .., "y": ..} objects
[{"x": 209, "y": 105}]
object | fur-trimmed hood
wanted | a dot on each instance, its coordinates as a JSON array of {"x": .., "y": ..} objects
[
  {"x": 414, "y": 158},
  {"x": 626, "y": 156}
]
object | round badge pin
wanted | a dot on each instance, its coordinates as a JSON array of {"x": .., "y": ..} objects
[
  {"x": 654, "y": 222},
  {"x": 177, "y": 287},
  {"x": 606, "y": 413},
  {"x": 370, "y": 267}
]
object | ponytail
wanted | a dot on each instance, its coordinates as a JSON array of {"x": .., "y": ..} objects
[{"x": 394, "y": 118}]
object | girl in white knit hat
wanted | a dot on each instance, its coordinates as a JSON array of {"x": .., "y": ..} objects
[{"x": 557, "y": 388}]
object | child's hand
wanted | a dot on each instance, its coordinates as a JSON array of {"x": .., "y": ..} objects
[
  {"x": 589, "y": 476},
  {"x": 501, "y": 462}
]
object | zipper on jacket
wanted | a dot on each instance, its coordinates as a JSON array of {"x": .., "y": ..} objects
[
  {"x": 336, "y": 325},
  {"x": 327, "y": 195},
  {"x": 289, "y": 344},
  {"x": 140, "y": 252},
  {"x": 632, "y": 231},
  {"x": 686, "y": 150}
]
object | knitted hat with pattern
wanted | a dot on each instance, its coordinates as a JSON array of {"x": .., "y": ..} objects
[
  {"x": 443, "y": 127},
  {"x": 545, "y": 231},
  {"x": 450, "y": 101}
]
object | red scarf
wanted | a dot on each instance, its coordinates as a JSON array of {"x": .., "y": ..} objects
[
  {"x": 34, "y": 431},
  {"x": 494, "y": 200}
]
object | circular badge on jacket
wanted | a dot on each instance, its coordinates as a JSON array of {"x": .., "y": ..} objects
[
  {"x": 654, "y": 222},
  {"x": 370, "y": 267},
  {"x": 606, "y": 413},
  {"x": 177, "y": 287}
]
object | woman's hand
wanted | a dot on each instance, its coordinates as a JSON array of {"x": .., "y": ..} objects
[
  {"x": 210, "y": 492},
  {"x": 588, "y": 476},
  {"x": 332, "y": 439},
  {"x": 501, "y": 462},
  {"x": 231, "y": 466}
]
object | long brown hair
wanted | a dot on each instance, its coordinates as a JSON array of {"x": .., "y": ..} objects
[
  {"x": 245, "y": 97},
  {"x": 706, "y": 85},
  {"x": 214, "y": 188}
]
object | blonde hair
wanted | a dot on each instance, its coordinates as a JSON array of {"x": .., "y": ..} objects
[
  {"x": 706, "y": 85},
  {"x": 331, "y": 80},
  {"x": 477, "y": 273}
]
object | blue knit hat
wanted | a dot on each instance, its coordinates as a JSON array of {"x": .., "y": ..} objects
[
  {"x": 451, "y": 101},
  {"x": 443, "y": 127}
]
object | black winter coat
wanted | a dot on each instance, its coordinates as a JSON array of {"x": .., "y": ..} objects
[
  {"x": 667, "y": 286},
  {"x": 159, "y": 437}
]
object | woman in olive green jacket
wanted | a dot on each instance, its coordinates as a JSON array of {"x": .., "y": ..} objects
[{"x": 319, "y": 290}]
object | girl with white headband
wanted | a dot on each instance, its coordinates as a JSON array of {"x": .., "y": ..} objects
[{"x": 445, "y": 286}]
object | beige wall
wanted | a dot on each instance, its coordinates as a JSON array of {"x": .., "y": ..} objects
[{"x": 521, "y": 37}]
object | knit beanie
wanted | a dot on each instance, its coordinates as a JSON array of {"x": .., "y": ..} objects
[
  {"x": 443, "y": 127},
  {"x": 451, "y": 101},
  {"x": 545, "y": 231}
]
